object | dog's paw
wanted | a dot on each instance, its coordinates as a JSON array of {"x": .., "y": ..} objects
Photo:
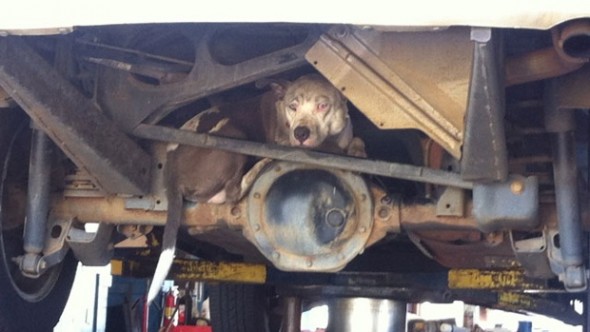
[{"x": 356, "y": 148}]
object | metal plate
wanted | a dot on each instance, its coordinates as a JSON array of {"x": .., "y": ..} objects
[{"x": 292, "y": 239}]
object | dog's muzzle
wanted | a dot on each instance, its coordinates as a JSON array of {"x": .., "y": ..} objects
[
  {"x": 301, "y": 133},
  {"x": 308, "y": 219}
]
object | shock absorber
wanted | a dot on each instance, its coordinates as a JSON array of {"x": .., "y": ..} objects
[
  {"x": 37, "y": 203},
  {"x": 561, "y": 123}
]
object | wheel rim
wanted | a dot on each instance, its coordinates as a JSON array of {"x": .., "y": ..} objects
[{"x": 11, "y": 244}]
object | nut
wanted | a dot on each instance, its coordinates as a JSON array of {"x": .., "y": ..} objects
[{"x": 517, "y": 187}]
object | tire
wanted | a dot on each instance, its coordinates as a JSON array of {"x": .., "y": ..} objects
[
  {"x": 26, "y": 304},
  {"x": 239, "y": 308}
]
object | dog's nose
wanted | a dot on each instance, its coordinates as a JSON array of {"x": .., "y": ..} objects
[{"x": 301, "y": 133}]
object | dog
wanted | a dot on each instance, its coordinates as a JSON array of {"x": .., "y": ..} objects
[
  {"x": 311, "y": 113},
  {"x": 200, "y": 175}
]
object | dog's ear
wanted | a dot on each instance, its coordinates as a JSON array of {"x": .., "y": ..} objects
[
  {"x": 279, "y": 89},
  {"x": 278, "y": 86}
]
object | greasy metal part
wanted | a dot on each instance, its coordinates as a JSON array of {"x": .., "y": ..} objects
[
  {"x": 451, "y": 202},
  {"x": 92, "y": 248},
  {"x": 422, "y": 217},
  {"x": 291, "y": 314},
  {"x": 569, "y": 53},
  {"x": 562, "y": 124},
  {"x": 375, "y": 167},
  {"x": 131, "y": 104},
  {"x": 532, "y": 254},
  {"x": 54, "y": 251},
  {"x": 402, "y": 79},
  {"x": 303, "y": 218},
  {"x": 134, "y": 231},
  {"x": 537, "y": 65},
  {"x": 56, "y": 246},
  {"x": 493, "y": 280},
  {"x": 484, "y": 156},
  {"x": 37, "y": 207},
  {"x": 513, "y": 204},
  {"x": 411, "y": 216},
  {"x": 37, "y": 193},
  {"x": 80, "y": 184},
  {"x": 366, "y": 314},
  {"x": 156, "y": 199},
  {"x": 73, "y": 122}
]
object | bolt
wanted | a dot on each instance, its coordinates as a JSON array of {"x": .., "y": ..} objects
[
  {"x": 257, "y": 195},
  {"x": 336, "y": 217},
  {"x": 235, "y": 211},
  {"x": 362, "y": 229},
  {"x": 276, "y": 255},
  {"x": 278, "y": 169},
  {"x": 341, "y": 33},
  {"x": 309, "y": 263},
  {"x": 517, "y": 187},
  {"x": 386, "y": 200},
  {"x": 256, "y": 227}
]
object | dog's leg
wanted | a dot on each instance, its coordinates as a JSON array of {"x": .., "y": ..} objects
[{"x": 356, "y": 148}]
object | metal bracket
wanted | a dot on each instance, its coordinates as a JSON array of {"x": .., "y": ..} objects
[
  {"x": 157, "y": 199},
  {"x": 573, "y": 277},
  {"x": 484, "y": 151},
  {"x": 92, "y": 248},
  {"x": 531, "y": 253},
  {"x": 401, "y": 80},
  {"x": 451, "y": 203},
  {"x": 513, "y": 204},
  {"x": 54, "y": 252}
]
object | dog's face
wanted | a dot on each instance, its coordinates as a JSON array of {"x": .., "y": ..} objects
[{"x": 313, "y": 110}]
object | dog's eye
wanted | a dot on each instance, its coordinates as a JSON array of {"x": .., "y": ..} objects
[
  {"x": 323, "y": 106},
  {"x": 293, "y": 106}
]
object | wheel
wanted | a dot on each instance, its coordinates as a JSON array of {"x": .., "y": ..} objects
[
  {"x": 26, "y": 304},
  {"x": 241, "y": 308}
]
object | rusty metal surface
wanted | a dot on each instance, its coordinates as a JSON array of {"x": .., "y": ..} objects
[
  {"x": 485, "y": 155},
  {"x": 376, "y": 167},
  {"x": 73, "y": 122},
  {"x": 296, "y": 234},
  {"x": 569, "y": 53},
  {"x": 536, "y": 65},
  {"x": 462, "y": 249},
  {"x": 402, "y": 80}
]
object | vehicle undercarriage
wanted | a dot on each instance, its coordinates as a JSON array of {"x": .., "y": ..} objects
[{"x": 477, "y": 143}]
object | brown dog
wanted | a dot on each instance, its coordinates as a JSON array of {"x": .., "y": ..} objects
[{"x": 200, "y": 175}]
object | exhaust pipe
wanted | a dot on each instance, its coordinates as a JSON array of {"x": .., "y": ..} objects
[
  {"x": 572, "y": 41},
  {"x": 570, "y": 51}
]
